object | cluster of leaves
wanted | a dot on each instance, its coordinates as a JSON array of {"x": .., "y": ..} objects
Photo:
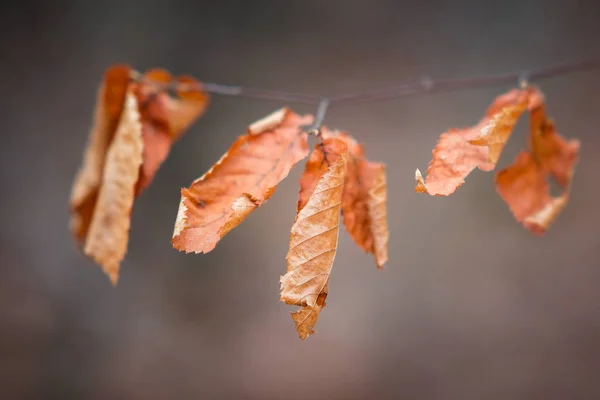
[
  {"x": 137, "y": 120},
  {"x": 336, "y": 177},
  {"x": 135, "y": 124},
  {"x": 523, "y": 185},
  {"x": 138, "y": 117}
]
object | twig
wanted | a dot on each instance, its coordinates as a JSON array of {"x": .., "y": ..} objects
[
  {"x": 431, "y": 86},
  {"x": 315, "y": 129},
  {"x": 425, "y": 85}
]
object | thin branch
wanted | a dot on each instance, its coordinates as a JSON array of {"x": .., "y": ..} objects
[
  {"x": 315, "y": 129},
  {"x": 426, "y": 85},
  {"x": 262, "y": 94},
  {"x": 432, "y": 86},
  {"x": 229, "y": 90}
]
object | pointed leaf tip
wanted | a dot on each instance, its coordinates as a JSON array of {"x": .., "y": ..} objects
[{"x": 420, "y": 187}]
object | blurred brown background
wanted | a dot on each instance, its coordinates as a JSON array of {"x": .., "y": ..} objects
[{"x": 471, "y": 306}]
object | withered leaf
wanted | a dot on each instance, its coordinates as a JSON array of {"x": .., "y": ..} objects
[
  {"x": 130, "y": 117},
  {"x": 109, "y": 104},
  {"x": 107, "y": 238},
  {"x": 376, "y": 186},
  {"x": 364, "y": 200},
  {"x": 524, "y": 184},
  {"x": 314, "y": 235},
  {"x": 242, "y": 180},
  {"x": 459, "y": 151},
  {"x": 165, "y": 118}
]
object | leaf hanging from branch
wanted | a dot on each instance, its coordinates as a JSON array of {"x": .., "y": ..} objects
[
  {"x": 375, "y": 183},
  {"x": 164, "y": 118},
  {"x": 138, "y": 117},
  {"x": 84, "y": 193},
  {"x": 364, "y": 200},
  {"x": 108, "y": 234},
  {"x": 460, "y": 151},
  {"x": 242, "y": 180},
  {"x": 524, "y": 185},
  {"x": 314, "y": 235},
  {"x": 131, "y": 119}
]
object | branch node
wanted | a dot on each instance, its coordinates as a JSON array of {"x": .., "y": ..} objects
[
  {"x": 523, "y": 81},
  {"x": 135, "y": 75},
  {"x": 315, "y": 129}
]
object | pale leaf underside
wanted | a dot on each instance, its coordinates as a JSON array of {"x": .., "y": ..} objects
[
  {"x": 314, "y": 235},
  {"x": 107, "y": 238}
]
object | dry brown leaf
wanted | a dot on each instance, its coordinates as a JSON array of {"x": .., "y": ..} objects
[
  {"x": 524, "y": 185},
  {"x": 107, "y": 238},
  {"x": 364, "y": 200},
  {"x": 130, "y": 117},
  {"x": 376, "y": 186},
  {"x": 460, "y": 151},
  {"x": 314, "y": 235},
  {"x": 164, "y": 118},
  {"x": 242, "y": 180},
  {"x": 110, "y": 101}
]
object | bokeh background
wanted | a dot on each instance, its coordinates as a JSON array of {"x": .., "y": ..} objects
[{"x": 471, "y": 306}]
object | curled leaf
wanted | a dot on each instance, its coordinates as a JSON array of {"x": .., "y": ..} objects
[
  {"x": 364, "y": 200},
  {"x": 107, "y": 238},
  {"x": 524, "y": 184},
  {"x": 242, "y": 180},
  {"x": 314, "y": 235},
  {"x": 165, "y": 117},
  {"x": 131, "y": 119},
  {"x": 84, "y": 193},
  {"x": 460, "y": 151},
  {"x": 376, "y": 199}
]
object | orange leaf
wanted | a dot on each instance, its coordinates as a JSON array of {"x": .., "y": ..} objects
[
  {"x": 108, "y": 233},
  {"x": 364, "y": 200},
  {"x": 314, "y": 235},
  {"x": 131, "y": 120},
  {"x": 110, "y": 101},
  {"x": 524, "y": 186},
  {"x": 460, "y": 151},
  {"x": 376, "y": 185},
  {"x": 164, "y": 118},
  {"x": 242, "y": 180}
]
